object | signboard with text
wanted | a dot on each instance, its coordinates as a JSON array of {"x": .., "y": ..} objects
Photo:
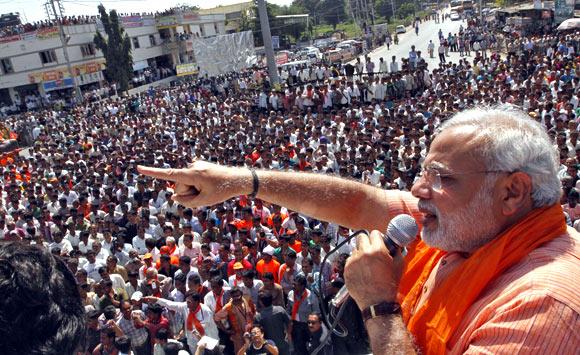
[
  {"x": 186, "y": 69},
  {"x": 45, "y": 33},
  {"x": 58, "y": 84}
]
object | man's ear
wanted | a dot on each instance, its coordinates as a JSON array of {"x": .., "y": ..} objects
[{"x": 516, "y": 190}]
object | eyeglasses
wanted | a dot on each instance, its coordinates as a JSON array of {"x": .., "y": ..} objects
[{"x": 433, "y": 177}]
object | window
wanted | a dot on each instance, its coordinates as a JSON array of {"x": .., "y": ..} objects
[
  {"x": 152, "y": 40},
  {"x": 88, "y": 50},
  {"x": 6, "y": 66},
  {"x": 48, "y": 56},
  {"x": 135, "y": 42}
]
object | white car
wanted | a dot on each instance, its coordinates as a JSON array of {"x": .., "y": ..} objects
[
  {"x": 400, "y": 29},
  {"x": 455, "y": 16}
]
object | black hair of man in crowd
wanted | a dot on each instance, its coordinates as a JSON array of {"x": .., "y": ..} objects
[{"x": 40, "y": 309}]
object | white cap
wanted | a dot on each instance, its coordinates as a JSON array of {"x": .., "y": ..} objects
[
  {"x": 268, "y": 250},
  {"x": 137, "y": 296}
]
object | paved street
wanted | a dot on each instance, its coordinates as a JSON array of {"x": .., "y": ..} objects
[{"x": 427, "y": 31}]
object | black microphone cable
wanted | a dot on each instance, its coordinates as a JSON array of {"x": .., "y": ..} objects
[{"x": 320, "y": 292}]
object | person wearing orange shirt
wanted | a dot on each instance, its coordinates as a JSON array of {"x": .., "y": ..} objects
[
  {"x": 246, "y": 222},
  {"x": 238, "y": 258},
  {"x": 165, "y": 250},
  {"x": 268, "y": 263},
  {"x": 296, "y": 245}
]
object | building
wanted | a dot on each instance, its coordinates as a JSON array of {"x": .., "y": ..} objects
[
  {"x": 234, "y": 14},
  {"x": 32, "y": 62}
]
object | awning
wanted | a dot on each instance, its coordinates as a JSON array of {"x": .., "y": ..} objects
[{"x": 569, "y": 24}]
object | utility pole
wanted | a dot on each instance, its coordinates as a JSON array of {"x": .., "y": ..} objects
[
  {"x": 267, "y": 39},
  {"x": 64, "y": 41}
]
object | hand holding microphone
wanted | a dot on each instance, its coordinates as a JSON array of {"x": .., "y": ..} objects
[{"x": 373, "y": 271}]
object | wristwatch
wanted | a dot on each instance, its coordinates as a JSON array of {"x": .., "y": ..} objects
[{"x": 381, "y": 309}]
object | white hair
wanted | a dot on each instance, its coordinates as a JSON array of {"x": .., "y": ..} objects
[{"x": 509, "y": 140}]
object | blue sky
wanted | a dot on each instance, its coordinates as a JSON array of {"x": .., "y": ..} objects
[{"x": 33, "y": 10}]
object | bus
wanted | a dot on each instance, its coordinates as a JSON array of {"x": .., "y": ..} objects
[
  {"x": 456, "y": 6},
  {"x": 461, "y": 6},
  {"x": 468, "y": 6}
]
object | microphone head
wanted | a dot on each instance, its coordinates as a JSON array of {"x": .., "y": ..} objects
[{"x": 402, "y": 230}]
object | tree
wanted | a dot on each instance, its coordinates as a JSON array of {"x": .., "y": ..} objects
[
  {"x": 384, "y": 8},
  {"x": 116, "y": 48},
  {"x": 332, "y": 12},
  {"x": 406, "y": 9},
  {"x": 313, "y": 8},
  {"x": 246, "y": 23}
]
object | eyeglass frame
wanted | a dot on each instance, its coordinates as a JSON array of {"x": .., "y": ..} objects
[{"x": 436, "y": 184}]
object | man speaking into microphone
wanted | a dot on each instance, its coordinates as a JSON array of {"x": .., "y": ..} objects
[{"x": 495, "y": 270}]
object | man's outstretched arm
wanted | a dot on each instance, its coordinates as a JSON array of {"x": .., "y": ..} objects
[{"x": 324, "y": 197}]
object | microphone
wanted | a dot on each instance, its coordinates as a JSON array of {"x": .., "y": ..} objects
[{"x": 401, "y": 231}]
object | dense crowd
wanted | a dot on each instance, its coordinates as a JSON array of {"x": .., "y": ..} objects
[
  {"x": 31, "y": 27},
  {"x": 155, "y": 276}
]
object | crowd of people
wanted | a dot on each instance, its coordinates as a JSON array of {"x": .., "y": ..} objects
[
  {"x": 31, "y": 27},
  {"x": 156, "y": 277}
]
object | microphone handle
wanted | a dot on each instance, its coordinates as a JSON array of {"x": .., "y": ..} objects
[{"x": 391, "y": 246}]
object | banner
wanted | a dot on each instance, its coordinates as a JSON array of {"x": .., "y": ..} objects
[
  {"x": 8, "y": 39},
  {"x": 281, "y": 58},
  {"x": 88, "y": 68},
  {"x": 186, "y": 69},
  {"x": 62, "y": 73},
  {"x": 166, "y": 22},
  {"x": 276, "y": 42},
  {"x": 224, "y": 53},
  {"x": 132, "y": 21},
  {"x": 189, "y": 17},
  {"x": 28, "y": 36},
  {"x": 58, "y": 84},
  {"x": 46, "y": 33}
]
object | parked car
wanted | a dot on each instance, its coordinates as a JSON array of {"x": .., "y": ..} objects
[
  {"x": 309, "y": 52},
  {"x": 454, "y": 16},
  {"x": 400, "y": 29}
]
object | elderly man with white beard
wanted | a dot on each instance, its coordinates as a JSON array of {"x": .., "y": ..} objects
[{"x": 492, "y": 271}]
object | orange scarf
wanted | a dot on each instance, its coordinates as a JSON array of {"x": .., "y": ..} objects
[
  {"x": 218, "y": 301},
  {"x": 297, "y": 303},
  {"x": 435, "y": 322},
  {"x": 192, "y": 321}
]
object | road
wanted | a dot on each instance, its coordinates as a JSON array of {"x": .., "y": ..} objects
[{"x": 427, "y": 31}]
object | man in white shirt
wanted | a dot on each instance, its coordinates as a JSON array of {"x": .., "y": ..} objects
[
  {"x": 383, "y": 67},
  {"x": 190, "y": 248},
  {"x": 191, "y": 306},
  {"x": 394, "y": 65},
  {"x": 59, "y": 242},
  {"x": 92, "y": 266}
]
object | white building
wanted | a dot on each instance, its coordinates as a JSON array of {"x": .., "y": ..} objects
[{"x": 33, "y": 62}]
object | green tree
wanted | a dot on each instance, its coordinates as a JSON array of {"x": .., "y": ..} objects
[
  {"x": 246, "y": 22},
  {"x": 333, "y": 12},
  {"x": 406, "y": 9},
  {"x": 384, "y": 8},
  {"x": 313, "y": 8},
  {"x": 116, "y": 48}
]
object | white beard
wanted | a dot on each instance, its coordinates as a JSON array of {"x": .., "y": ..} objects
[{"x": 467, "y": 229}]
